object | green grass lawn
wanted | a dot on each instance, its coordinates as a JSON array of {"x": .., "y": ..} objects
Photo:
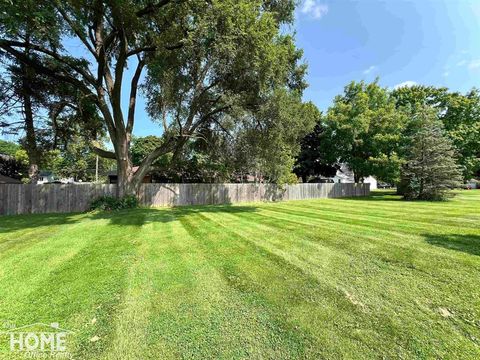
[{"x": 357, "y": 278}]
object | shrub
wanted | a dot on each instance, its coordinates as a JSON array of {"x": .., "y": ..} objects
[{"x": 110, "y": 203}]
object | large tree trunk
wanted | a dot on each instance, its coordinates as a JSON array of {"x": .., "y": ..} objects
[
  {"x": 126, "y": 184},
  {"x": 31, "y": 141}
]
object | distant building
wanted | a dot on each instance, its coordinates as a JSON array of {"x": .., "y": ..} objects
[
  {"x": 113, "y": 176},
  {"x": 473, "y": 184},
  {"x": 45, "y": 177},
  {"x": 346, "y": 175}
]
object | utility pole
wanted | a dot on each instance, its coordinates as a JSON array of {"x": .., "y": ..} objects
[{"x": 96, "y": 170}]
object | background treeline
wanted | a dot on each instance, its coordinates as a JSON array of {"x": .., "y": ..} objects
[
  {"x": 224, "y": 82},
  {"x": 374, "y": 130},
  {"x": 421, "y": 138}
]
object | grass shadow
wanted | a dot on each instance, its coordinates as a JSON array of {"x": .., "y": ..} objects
[
  {"x": 142, "y": 216},
  {"x": 28, "y": 221},
  {"x": 130, "y": 217},
  {"x": 469, "y": 244},
  {"x": 376, "y": 195}
]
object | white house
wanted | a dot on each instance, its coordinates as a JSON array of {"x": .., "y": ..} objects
[
  {"x": 473, "y": 184},
  {"x": 345, "y": 175},
  {"x": 45, "y": 177}
]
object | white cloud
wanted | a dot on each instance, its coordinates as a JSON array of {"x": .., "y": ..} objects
[
  {"x": 471, "y": 65},
  {"x": 369, "y": 70},
  {"x": 314, "y": 9},
  {"x": 474, "y": 64},
  {"x": 445, "y": 74},
  {"x": 408, "y": 83}
]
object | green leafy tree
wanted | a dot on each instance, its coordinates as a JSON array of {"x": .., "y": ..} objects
[
  {"x": 460, "y": 115},
  {"x": 8, "y": 147},
  {"x": 12, "y": 167},
  {"x": 22, "y": 98},
  {"x": 366, "y": 131},
  {"x": 77, "y": 160},
  {"x": 431, "y": 169},
  {"x": 271, "y": 139},
  {"x": 462, "y": 125},
  {"x": 263, "y": 145},
  {"x": 47, "y": 112},
  {"x": 205, "y": 60},
  {"x": 23, "y": 89},
  {"x": 142, "y": 146}
]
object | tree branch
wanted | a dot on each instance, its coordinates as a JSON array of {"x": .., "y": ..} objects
[
  {"x": 140, "y": 50},
  {"x": 152, "y": 8},
  {"x": 115, "y": 97},
  {"x": 76, "y": 30},
  {"x": 103, "y": 153},
  {"x": 133, "y": 96},
  {"x": 85, "y": 73},
  {"x": 44, "y": 70},
  {"x": 167, "y": 146},
  {"x": 173, "y": 47},
  {"x": 207, "y": 116}
]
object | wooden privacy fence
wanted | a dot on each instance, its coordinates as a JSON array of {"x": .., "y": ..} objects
[{"x": 64, "y": 198}]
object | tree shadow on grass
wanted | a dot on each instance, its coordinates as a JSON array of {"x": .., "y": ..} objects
[
  {"x": 377, "y": 195},
  {"x": 130, "y": 217},
  {"x": 142, "y": 216},
  {"x": 21, "y": 222},
  {"x": 469, "y": 244}
]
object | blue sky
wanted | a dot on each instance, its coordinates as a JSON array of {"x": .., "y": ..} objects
[{"x": 432, "y": 42}]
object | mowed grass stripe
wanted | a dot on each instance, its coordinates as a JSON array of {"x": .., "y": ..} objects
[
  {"x": 357, "y": 228},
  {"x": 427, "y": 282},
  {"x": 336, "y": 278},
  {"x": 280, "y": 240},
  {"x": 257, "y": 330},
  {"x": 310, "y": 301},
  {"x": 313, "y": 305},
  {"x": 366, "y": 221},
  {"x": 45, "y": 254},
  {"x": 84, "y": 285},
  {"x": 455, "y": 219},
  {"x": 129, "y": 339}
]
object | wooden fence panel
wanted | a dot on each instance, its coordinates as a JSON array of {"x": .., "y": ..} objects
[{"x": 64, "y": 198}]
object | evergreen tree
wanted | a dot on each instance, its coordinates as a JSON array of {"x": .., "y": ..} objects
[
  {"x": 315, "y": 157},
  {"x": 431, "y": 168}
]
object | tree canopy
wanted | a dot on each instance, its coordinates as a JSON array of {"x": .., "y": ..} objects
[
  {"x": 459, "y": 114},
  {"x": 370, "y": 129},
  {"x": 8, "y": 147},
  {"x": 365, "y": 130},
  {"x": 208, "y": 63}
]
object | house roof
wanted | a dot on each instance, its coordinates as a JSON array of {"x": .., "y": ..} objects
[
  {"x": 8, "y": 180},
  {"x": 6, "y": 156},
  {"x": 114, "y": 172}
]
